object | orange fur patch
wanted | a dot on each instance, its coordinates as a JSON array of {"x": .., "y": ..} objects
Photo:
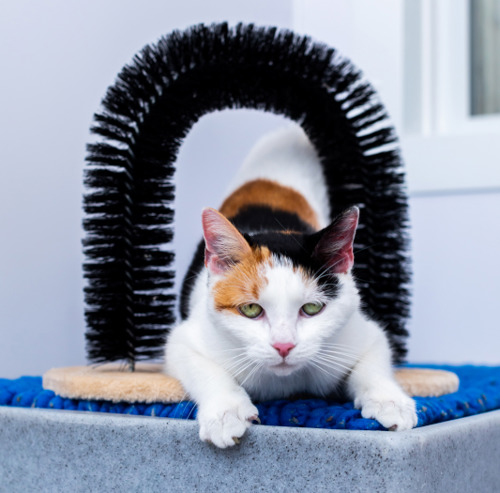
[
  {"x": 272, "y": 194},
  {"x": 243, "y": 282}
]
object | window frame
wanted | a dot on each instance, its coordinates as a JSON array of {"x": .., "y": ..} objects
[
  {"x": 426, "y": 88},
  {"x": 444, "y": 87}
]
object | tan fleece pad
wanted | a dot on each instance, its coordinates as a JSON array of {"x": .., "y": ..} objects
[
  {"x": 111, "y": 382},
  {"x": 427, "y": 382},
  {"x": 147, "y": 384}
]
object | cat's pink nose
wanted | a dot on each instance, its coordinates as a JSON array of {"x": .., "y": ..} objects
[{"x": 283, "y": 348}]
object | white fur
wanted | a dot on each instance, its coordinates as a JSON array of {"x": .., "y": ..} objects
[
  {"x": 224, "y": 360},
  {"x": 288, "y": 157}
]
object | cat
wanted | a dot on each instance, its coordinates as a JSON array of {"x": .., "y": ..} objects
[{"x": 270, "y": 305}]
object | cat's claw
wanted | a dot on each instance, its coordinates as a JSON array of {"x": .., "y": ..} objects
[
  {"x": 224, "y": 422},
  {"x": 395, "y": 412}
]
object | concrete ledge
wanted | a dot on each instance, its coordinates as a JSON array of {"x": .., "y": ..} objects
[{"x": 47, "y": 450}]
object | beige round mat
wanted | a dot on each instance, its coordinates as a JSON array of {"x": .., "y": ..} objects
[
  {"x": 110, "y": 382},
  {"x": 147, "y": 384},
  {"x": 427, "y": 382}
]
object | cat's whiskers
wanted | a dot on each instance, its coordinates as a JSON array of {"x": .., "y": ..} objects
[
  {"x": 338, "y": 358},
  {"x": 337, "y": 345},
  {"x": 318, "y": 366},
  {"x": 337, "y": 362},
  {"x": 332, "y": 367},
  {"x": 349, "y": 358},
  {"x": 239, "y": 369},
  {"x": 258, "y": 366},
  {"x": 340, "y": 352},
  {"x": 338, "y": 355},
  {"x": 340, "y": 348},
  {"x": 228, "y": 358},
  {"x": 238, "y": 366},
  {"x": 346, "y": 348}
]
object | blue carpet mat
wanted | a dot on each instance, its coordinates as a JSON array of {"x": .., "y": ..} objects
[{"x": 479, "y": 392}]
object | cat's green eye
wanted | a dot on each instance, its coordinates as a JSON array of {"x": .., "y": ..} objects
[
  {"x": 252, "y": 310},
  {"x": 312, "y": 308}
]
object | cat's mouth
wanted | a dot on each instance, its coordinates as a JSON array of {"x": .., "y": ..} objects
[{"x": 283, "y": 369}]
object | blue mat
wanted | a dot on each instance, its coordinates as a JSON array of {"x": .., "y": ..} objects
[{"x": 479, "y": 392}]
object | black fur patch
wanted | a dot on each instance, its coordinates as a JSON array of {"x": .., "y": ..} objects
[
  {"x": 284, "y": 233},
  {"x": 299, "y": 247},
  {"x": 260, "y": 218}
]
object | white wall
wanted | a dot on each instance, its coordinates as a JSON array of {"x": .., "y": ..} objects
[
  {"x": 56, "y": 62},
  {"x": 456, "y": 241}
]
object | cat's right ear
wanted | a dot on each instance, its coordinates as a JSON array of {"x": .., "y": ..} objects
[
  {"x": 335, "y": 246},
  {"x": 224, "y": 244}
]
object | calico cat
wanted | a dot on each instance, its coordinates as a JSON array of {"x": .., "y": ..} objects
[{"x": 270, "y": 304}]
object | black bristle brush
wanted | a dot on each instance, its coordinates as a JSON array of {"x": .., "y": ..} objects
[{"x": 146, "y": 115}]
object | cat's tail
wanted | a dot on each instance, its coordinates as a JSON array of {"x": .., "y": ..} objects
[{"x": 145, "y": 116}]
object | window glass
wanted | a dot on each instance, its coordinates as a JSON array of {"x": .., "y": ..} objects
[{"x": 485, "y": 56}]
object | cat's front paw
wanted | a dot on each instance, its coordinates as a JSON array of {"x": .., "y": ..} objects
[
  {"x": 395, "y": 410},
  {"x": 225, "y": 421}
]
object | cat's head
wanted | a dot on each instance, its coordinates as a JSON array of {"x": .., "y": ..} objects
[{"x": 279, "y": 296}]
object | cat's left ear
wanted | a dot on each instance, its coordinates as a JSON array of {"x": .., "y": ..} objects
[{"x": 335, "y": 246}]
